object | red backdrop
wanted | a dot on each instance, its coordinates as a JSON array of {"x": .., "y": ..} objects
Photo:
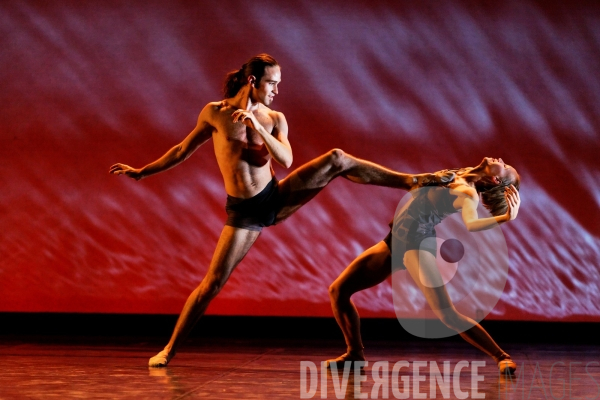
[{"x": 415, "y": 86}]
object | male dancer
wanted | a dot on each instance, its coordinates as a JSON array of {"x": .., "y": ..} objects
[{"x": 247, "y": 135}]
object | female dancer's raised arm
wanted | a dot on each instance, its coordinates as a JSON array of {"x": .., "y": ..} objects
[{"x": 471, "y": 201}]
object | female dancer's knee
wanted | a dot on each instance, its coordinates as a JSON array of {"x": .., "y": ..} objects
[
  {"x": 209, "y": 289},
  {"x": 337, "y": 292}
]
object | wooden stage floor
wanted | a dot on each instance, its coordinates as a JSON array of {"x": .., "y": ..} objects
[{"x": 88, "y": 368}]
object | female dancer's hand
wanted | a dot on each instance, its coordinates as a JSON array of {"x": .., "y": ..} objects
[
  {"x": 122, "y": 169},
  {"x": 513, "y": 200}
]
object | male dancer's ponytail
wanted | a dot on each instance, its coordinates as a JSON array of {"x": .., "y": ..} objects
[
  {"x": 235, "y": 80},
  {"x": 233, "y": 83}
]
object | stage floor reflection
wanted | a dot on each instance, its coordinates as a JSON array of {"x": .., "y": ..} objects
[{"x": 101, "y": 368}]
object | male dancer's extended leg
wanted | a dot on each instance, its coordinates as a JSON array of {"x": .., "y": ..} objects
[
  {"x": 369, "y": 269},
  {"x": 232, "y": 246},
  {"x": 308, "y": 180}
]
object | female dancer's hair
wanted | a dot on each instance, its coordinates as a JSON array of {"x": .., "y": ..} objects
[
  {"x": 235, "y": 80},
  {"x": 492, "y": 195}
]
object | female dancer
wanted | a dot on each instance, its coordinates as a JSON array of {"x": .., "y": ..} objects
[{"x": 497, "y": 183}]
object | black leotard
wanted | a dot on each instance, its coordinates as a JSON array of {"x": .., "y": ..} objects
[{"x": 417, "y": 220}]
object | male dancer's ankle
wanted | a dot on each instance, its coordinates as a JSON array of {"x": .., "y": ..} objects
[
  {"x": 433, "y": 179},
  {"x": 357, "y": 352},
  {"x": 352, "y": 354},
  {"x": 421, "y": 180}
]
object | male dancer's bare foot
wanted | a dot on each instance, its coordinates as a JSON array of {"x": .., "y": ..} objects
[
  {"x": 434, "y": 179},
  {"x": 161, "y": 359},
  {"x": 349, "y": 356}
]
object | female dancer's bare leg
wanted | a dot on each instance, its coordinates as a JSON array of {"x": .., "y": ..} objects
[
  {"x": 369, "y": 269},
  {"x": 422, "y": 268}
]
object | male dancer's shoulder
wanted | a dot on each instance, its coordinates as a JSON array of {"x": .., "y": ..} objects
[
  {"x": 218, "y": 105},
  {"x": 276, "y": 116},
  {"x": 216, "y": 110}
]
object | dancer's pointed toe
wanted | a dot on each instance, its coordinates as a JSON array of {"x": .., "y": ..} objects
[{"x": 507, "y": 366}]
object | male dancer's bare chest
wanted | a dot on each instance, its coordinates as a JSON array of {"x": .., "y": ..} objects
[{"x": 242, "y": 134}]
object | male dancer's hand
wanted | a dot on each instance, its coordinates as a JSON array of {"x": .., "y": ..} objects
[
  {"x": 247, "y": 118},
  {"x": 122, "y": 169}
]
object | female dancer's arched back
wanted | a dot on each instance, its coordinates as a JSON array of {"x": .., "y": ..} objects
[{"x": 497, "y": 183}]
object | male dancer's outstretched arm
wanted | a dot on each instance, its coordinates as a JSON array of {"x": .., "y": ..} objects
[{"x": 175, "y": 156}]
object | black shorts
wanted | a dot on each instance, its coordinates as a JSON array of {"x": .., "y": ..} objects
[{"x": 256, "y": 212}]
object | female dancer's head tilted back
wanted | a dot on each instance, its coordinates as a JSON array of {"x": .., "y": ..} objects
[{"x": 491, "y": 178}]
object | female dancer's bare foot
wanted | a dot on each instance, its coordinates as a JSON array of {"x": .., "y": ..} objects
[
  {"x": 161, "y": 359},
  {"x": 507, "y": 366},
  {"x": 349, "y": 356}
]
